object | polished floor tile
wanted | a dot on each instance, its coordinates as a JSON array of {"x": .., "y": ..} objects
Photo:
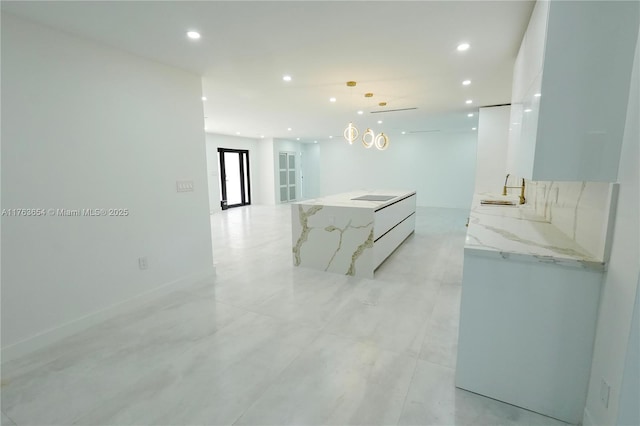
[
  {"x": 434, "y": 400},
  {"x": 336, "y": 381},
  {"x": 6, "y": 421},
  {"x": 267, "y": 343}
]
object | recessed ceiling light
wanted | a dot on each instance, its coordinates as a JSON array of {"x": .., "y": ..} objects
[
  {"x": 204, "y": 98},
  {"x": 286, "y": 77},
  {"x": 463, "y": 46},
  {"x": 404, "y": 133},
  {"x": 527, "y": 110},
  {"x": 332, "y": 99},
  {"x": 466, "y": 82},
  {"x": 205, "y": 127},
  {"x": 315, "y": 141},
  {"x": 297, "y": 139},
  {"x": 473, "y": 128},
  {"x": 537, "y": 95},
  {"x": 330, "y": 137},
  {"x": 237, "y": 133},
  {"x": 360, "y": 112},
  {"x": 261, "y": 136},
  {"x": 470, "y": 115},
  {"x": 193, "y": 35},
  {"x": 289, "y": 128},
  {"x": 468, "y": 101},
  {"x": 379, "y": 121}
]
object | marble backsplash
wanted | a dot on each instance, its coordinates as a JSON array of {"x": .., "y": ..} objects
[{"x": 583, "y": 211}]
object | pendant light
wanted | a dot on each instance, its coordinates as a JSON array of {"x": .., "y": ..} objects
[
  {"x": 368, "y": 143},
  {"x": 351, "y": 132},
  {"x": 369, "y": 138}
]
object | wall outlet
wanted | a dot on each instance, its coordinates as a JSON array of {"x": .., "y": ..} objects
[
  {"x": 143, "y": 263},
  {"x": 184, "y": 185},
  {"x": 604, "y": 393}
]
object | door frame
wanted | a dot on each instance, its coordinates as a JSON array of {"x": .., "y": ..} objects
[{"x": 245, "y": 187}]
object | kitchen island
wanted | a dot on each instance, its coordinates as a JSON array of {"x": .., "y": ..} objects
[{"x": 351, "y": 233}]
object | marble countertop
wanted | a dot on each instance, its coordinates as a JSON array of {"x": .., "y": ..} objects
[
  {"x": 346, "y": 199},
  {"x": 518, "y": 233}
]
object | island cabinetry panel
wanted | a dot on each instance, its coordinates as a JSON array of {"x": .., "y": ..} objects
[{"x": 351, "y": 236}]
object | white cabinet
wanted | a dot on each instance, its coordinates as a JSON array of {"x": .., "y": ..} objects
[
  {"x": 526, "y": 333},
  {"x": 570, "y": 90}
]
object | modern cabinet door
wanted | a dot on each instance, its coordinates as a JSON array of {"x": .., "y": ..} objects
[{"x": 571, "y": 90}]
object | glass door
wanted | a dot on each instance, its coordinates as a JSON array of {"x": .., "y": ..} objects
[
  {"x": 287, "y": 173},
  {"x": 235, "y": 184}
]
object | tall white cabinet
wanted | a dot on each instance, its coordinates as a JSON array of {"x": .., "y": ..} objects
[{"x": 570, "y": 90}]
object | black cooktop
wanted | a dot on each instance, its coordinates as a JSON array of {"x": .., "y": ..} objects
[{"x": 375, "y": 197}]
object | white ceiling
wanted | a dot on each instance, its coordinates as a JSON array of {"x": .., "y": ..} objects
[{"x": 403, "y": 52}]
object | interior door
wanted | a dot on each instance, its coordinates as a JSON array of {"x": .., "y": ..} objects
[
  {"x": 235, "y": 182},
  {"x": 287, "y": 171}
]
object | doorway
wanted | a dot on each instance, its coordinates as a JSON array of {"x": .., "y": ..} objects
[
  {"x": 235, "y": 182},
  {"x": 287, "y": 171}
]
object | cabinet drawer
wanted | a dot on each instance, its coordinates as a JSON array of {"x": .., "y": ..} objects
[{"x": 389, "y": 216}]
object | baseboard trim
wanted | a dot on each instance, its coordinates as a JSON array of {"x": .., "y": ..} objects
[{"x": 52, "y": 335}]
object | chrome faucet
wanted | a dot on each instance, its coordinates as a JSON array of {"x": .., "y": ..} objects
[{"x": 505, "y": 187}]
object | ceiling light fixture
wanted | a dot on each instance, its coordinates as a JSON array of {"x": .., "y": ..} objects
[
  {"x": 332, "y": 99},
  {"x": 193, "y": 35},
  {"x": 528, "y": 110},
  {"x": 204, "y": 98},
  {"x": 372, "y": 138},
  {"x": 463, "y": 46},
  {"x": 237, "y": 133},
  {"x": 473, "y": 128},
  {"x": 466, "y": 82},
  {"x": 537, "y": 95},
  {"x": 286, "y": 77},
  {"x": 297, "y": 139},
  {"x": 369, "y": 137},
  {"x": 289, "y": 129},
  {"x": 404, "y": 133},
  {"x": 468, "y": 101},
  {"x": 470, "y": 115},
  {"x": 330, "y": 137}
]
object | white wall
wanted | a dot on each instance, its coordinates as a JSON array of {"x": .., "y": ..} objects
[
  {"x": 493, "y": 138},
  {"x": 621, "y": 280},
  {"x": 629, "y": 412},
  {"x": 439, "y": 166},
  {"x": 87, "y": 126},
  {"x": 267, "y": 176},
  {"x": 310, "y": 167}
]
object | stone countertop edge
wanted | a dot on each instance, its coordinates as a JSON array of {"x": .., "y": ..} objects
[
  {"x": 535, "y": 258},
  {"x": 514, "y": 221},
  {"x": 345, "y": 199}
]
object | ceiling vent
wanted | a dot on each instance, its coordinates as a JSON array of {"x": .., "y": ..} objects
[{"x": 393, "y": 110}]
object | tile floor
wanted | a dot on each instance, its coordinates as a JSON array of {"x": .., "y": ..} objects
[{"x": 269, "y": 344}]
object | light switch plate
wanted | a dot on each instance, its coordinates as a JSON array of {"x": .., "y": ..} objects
[{"x": 184, "y": 185}]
